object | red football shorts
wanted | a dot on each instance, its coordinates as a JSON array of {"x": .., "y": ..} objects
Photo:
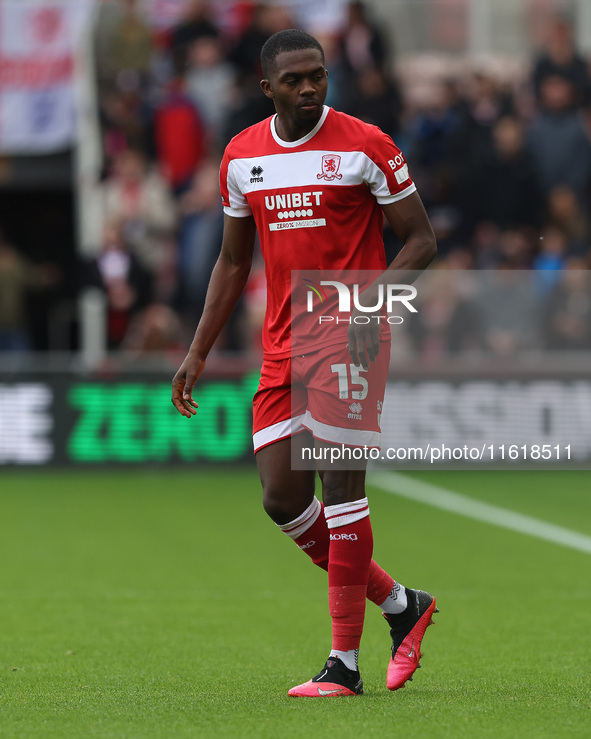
[{"x": 323, "y": 392}]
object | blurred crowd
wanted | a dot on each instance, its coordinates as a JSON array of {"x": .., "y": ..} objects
[{"x": 503, "y": 164}]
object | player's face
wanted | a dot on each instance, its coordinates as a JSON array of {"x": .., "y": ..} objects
[{"x": 298, "y": 88}]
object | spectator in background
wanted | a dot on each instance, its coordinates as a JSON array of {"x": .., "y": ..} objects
[
  {"x": 550, "y": 260},
  {"x": 18, "y": 277},
  {"x": 567, "y": 318},
  {"x": 153, "y": 332},
  {"x": 558, "y": 140},
  {"x": 326, "y": 19},
  {"x": 195, "y": 23},
  {"x": 565, "y": 212},
  {"x": 123, "y": 122},
  {"x": 472, "y": 145},
  {"x": 484, "y": 245},
  {"x": 487, "y": 102},
  {"x": 363, "y": 43},
  {"x": 248, "y": 106},
  {"x": 430, "y": 135},
  {"x": 124, "y": 66},
  {"x": 139, "y": 199},
  {"x": 200, "y": 230},
  {"x": 180, "y": 136},
  {"x": 120, "y": 275},
  {"x": 128, "y": 47},
  {"x": 434, "y": 126},
  {"x": 507, "y": 311},
  {"x": 560, "y": 58},
  {"x": 209, "y": 82},
  {"x": 377, "y": 100},
  {"x": 512, "y": 248},
  {"x": 505, "y": 187},
  {"x": 266, "y": 20},
  {"x": 446, "y": 321},
  {"x": 200, "y": 233}
]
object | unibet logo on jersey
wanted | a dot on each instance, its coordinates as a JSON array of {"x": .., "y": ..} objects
[{"x": 294, "y": 205}]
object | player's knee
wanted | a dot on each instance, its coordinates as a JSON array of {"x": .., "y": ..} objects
[
  {"x": 272, "y": 506},
  {"x": 339, "y": 486},
  {"x": 333, "y": 491},
  {"x": 278, "y": 506}
]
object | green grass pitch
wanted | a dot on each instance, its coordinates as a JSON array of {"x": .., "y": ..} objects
[{"x": 164, "y": 604}]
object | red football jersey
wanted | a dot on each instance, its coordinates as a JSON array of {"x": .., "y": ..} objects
[{"x": 316, "y": 203}]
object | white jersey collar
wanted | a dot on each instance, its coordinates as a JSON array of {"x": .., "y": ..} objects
[{"x": 304, "y": 139}]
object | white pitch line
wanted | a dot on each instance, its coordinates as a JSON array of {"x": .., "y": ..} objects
[{"x": 417, "y": 490}]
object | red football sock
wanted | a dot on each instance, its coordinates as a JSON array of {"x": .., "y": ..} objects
[
  {"x": 310, "y": 533},
  {"x": 379, "y": 585},
  {"x": 315, "y": 542},
  {"x": 351, "y": 545}
]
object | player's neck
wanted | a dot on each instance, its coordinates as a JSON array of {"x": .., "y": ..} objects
[{"x": 290, "y": 130}]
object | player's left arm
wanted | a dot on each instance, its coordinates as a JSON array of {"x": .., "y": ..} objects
[{"x": 411, "y": 224}]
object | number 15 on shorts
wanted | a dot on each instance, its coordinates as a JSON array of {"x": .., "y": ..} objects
[{"x": 349, "y": 376}]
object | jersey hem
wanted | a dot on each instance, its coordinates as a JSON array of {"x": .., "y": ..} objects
[
  {"x": 277, "y": 432},
  {"x": 388, "y": 199},
  {"x": 237, "y": 212},
  {"x": 338, "y": 435}
]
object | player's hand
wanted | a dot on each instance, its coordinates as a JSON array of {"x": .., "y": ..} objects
[
  {"x": 363, "y": 339},
  {"x": 182, "y": 385}
]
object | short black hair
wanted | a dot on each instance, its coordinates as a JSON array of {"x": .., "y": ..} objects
[{"x": 291, "y": 40}]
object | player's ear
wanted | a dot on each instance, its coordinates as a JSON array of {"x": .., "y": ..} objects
[{"x": 266, "y": 88}]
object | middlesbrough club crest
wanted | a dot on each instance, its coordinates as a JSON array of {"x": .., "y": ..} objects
[{"x": 330, "y": 167}]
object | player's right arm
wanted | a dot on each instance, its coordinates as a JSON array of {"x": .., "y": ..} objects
[{"x": 226, "y": 284}]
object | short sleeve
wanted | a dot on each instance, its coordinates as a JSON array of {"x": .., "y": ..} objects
[
  {"x": 233, "y": 200},
  {"x": 385, "y": 170}
]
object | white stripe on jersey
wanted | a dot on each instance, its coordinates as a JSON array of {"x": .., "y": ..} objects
[
  {"x": 296, "y": 169},
  {"x": 305, "y": 169}
]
